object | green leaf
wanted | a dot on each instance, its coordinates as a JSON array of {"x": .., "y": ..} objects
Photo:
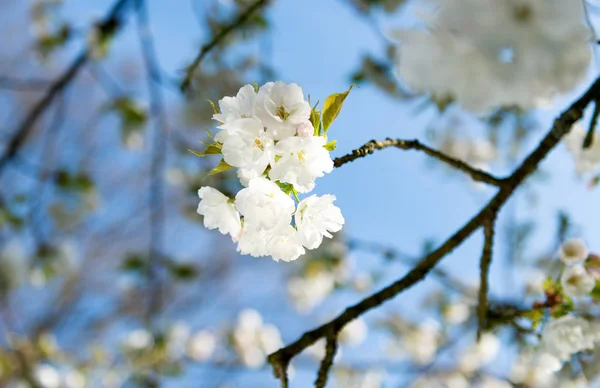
[
  {"x": 133, "y": 262},
  {"x": 315, "y": 119},
  {"x": 333, "y": 106},
  {"x": 222, "y": 166},
  {"x": 331, "y": 145},
  {"x": 596, "y": 291},
  {"x": 255, "y": 87},
  {"x": 183, "y": 271},
  {"x": 214, "y": 107},
  {"x": 212, "y": 149},
  {"x": 536, "y": 316},
  {"x": 286, "y": 187}
]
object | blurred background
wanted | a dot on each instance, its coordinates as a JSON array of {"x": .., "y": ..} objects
[{"x": 109, "y": 279}]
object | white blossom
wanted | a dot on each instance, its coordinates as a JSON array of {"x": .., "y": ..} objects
[
  {"x": 219, "y": 212},
  {"x": 308, "y": 291},
  {"x": 493, "y": 382},
  {"x": 576, "y": 281},
  {"x": 317, "y": 217},
  {"x": 447, "y": 380},
  {"x": 422, "y": 342},
  {"x": 567, "y": 335},
  {"x": 486, "y": 54},
  {"x": 586, "y": 160},
  {"x": 480, "y": 353},
  {"x": 536, "y": 371},
  {"x": 573, "y": 251},
  {"x": 301, "y": 160},
  {"x": 253, "y": 340},
  {"x": 253, "y": 242},
  {"x": 354, "y": 333},
  {"x": 281, "y": 108},
  {"x": 138, "y": 339},
  {"x": 202, "y": 345},
  {"x": 240, "y": 106},
  {"x": 350, "y": 378},
  {"x": 456, "y": 312},
  {"x": 47, "y": 376},
  {"x": 263, "y": 205},
  {"x": 283, "y": 244},
  {"x": 248, "y": 148}
]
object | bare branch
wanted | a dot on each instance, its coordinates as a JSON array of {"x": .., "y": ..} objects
[
  {"x": 370, "y": 147},
  {"x": 330, "y": 350},
  {"x": 562, "y": 125},
  {"x": 112, "y": 22},
  {"x": 486, "y": 261},
  {"x": 217, "y": 38},
  {"x": 157, "y": 163}
]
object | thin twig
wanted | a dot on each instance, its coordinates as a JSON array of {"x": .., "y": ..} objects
[
  {"x": 370, "y": 147},
  {"x": 562, "y": 125},
  {"x": 112, "y": 22},
  {"x": 330, "y": 350},
  {"x": 217, "y": 38},
  {"x": 486, "y": 261},
  {"x": 157, "y": 163}
]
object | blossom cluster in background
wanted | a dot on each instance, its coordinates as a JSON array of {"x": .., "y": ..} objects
[
  {"x": 498, "y": 54},
  {"x": 279, "y": 147}
]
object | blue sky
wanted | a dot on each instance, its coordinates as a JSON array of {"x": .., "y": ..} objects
[{"x": 393, "y": 197}]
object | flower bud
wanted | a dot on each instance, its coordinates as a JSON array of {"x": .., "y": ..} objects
[
  {"x": 573, "y": 251},
  {"x": 305, "y": 129}
]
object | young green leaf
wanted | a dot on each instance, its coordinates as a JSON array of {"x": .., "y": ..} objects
[
  {"x": 222, "y": 166},
  {"x": 214, "y": 107},
  {"x": 332, "y": 106},
  {"x": 315, "y": 119},
  {"x": 331, "y": 145}
]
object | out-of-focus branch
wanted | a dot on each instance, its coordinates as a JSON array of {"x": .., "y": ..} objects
[
  {"x": 486, "y": 261},
  {"x": 157, "y": 163},
  {"x": 370, "y": 147},
  {"x": 238, "y": 22},
  {"x": 112, "y": 22},
  {"x": 562, "y": 125}
]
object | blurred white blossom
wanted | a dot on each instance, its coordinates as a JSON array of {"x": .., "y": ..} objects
[{"x": 576, "y": 281}]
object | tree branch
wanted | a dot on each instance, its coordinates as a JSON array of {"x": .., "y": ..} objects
[
  {"x": 370, "y": 147},
  {"x": 217, "y": 38},
  {"x": 157, "y": 163},
  {"x": 562, "y": 126},
  {"x": 112, "y": 22},
  {"x": 330, "y": 350},
  {"x": 486, "y": 261}
]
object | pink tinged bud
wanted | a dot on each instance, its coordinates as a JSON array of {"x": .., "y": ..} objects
[{"x": 305, "y": 129}]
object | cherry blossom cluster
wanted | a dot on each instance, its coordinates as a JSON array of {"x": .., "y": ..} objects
[
  {"x": 566, "y": 334},
  {"x": 269, "y": 135},
  {"x": 487, "y": 54}
]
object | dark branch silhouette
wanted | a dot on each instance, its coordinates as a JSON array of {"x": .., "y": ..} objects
[
  {"x": 370, "y": 147},
  {"x": 562, "y": 125},
  {"x": 217, "y": 38},
  {"x": 486, "y": 261},
  {"x": 112, "y": 22}
]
